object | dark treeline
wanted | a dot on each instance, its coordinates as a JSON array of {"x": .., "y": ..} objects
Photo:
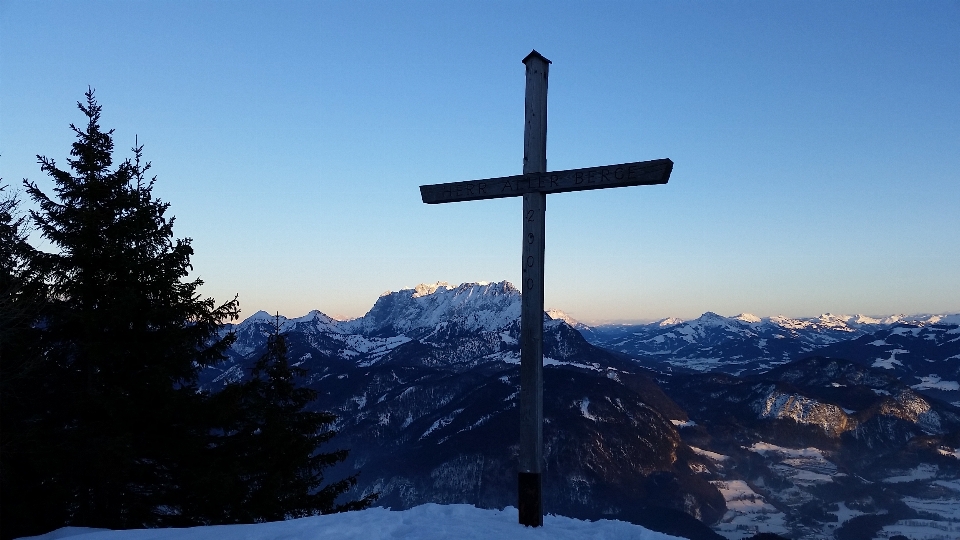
[{"x": 102, "y": 338}]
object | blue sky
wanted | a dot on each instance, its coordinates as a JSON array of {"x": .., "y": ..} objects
[{"x": 817, "y": 144}]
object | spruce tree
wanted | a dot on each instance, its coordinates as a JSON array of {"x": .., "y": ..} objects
[
  {"x": 28, "y": 497},
  {"x": 124, "y": 335},
  {"x": 270, "y": 446}
]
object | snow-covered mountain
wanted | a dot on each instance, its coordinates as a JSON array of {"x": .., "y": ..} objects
[
  {"x": 426, "y": 389},
  {"x": 744, "y": 423},
  {"x": 924, "y": 355},
  {"x": 478, "y": 323},
  {"x": 745, "y": 343},
  {"x": 431, "y": 325},
  {"x": 416, "y": 312},
  {"x": 811, "y": 446}
]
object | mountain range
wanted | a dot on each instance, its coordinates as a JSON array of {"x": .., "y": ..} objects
[{"x": 707, "y": 428}]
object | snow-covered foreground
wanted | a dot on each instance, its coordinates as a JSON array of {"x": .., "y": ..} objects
[{"x": 427, "y": 522}]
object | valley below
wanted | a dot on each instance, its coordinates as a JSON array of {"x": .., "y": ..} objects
[{"x": 843, "y": 427}]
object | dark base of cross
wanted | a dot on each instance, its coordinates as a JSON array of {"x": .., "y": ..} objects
[
  {"x": 530, "y": 495},
  {"x": 534, "y": 185}
]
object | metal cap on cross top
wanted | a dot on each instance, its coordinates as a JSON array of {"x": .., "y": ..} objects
[{"x": 534, "y": 185}]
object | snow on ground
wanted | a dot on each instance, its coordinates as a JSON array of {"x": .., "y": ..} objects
[
  {"x": 845, "y": 514},
  {"x": 922, "y": 529},
  {"x": 442, "y": 422},
  {"x": 922, "y": 472},
  {"x": 804, "y": 476},
  {"x": 947, "y": 319},
  {"x": 511, "y": 357},
  {"x": 375, "y": 347},
  {"x": 547, "y": 361},
  {"x": 805, "y": 466},
  {"x": 698, "y": 364},
  {"x": 902, "y": 331},
  {"x": 747, "y": 512},
  {"x": 887, "y": 363},
  {"x": 934, "y": 382},
  {"x": 762, "y": 448},
  {"x": 955, "y": 452},
  {"x": 712, "y": 455},
  {"x": 949, "y": 484},
  {"x": 585, "y": 410},
  {"x": 426, "y": 522},
  {"x": 559, "y": 315},
  {"x": 945, "y": 508}
]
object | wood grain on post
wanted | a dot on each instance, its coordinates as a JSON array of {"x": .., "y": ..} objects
[{"x": 529, "y": 478}]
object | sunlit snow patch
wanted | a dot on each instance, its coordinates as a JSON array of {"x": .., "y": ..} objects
[
  {"x": 712, "y": 455},
  {"x": 763, "y": 448},
  {"x": 559, "y": 315},
  {"x": 955, "y": 452}
]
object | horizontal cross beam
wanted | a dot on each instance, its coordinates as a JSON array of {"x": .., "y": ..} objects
[{"x": 641, "y": 173}]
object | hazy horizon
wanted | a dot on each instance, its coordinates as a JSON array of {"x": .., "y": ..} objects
[{"x": 245, "y": 313}]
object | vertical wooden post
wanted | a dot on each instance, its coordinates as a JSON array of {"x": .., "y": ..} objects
[{"x": 530, "y": 498}]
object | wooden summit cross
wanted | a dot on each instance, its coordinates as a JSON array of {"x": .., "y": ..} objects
[{"x": 533, "y": 185}]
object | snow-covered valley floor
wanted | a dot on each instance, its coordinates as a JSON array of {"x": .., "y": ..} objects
[{"x": 426, "y": 522}]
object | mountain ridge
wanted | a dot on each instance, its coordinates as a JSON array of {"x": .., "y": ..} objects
[
  {"x": 506, "y": 288},
  {"x": 771, "y": 434}
]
